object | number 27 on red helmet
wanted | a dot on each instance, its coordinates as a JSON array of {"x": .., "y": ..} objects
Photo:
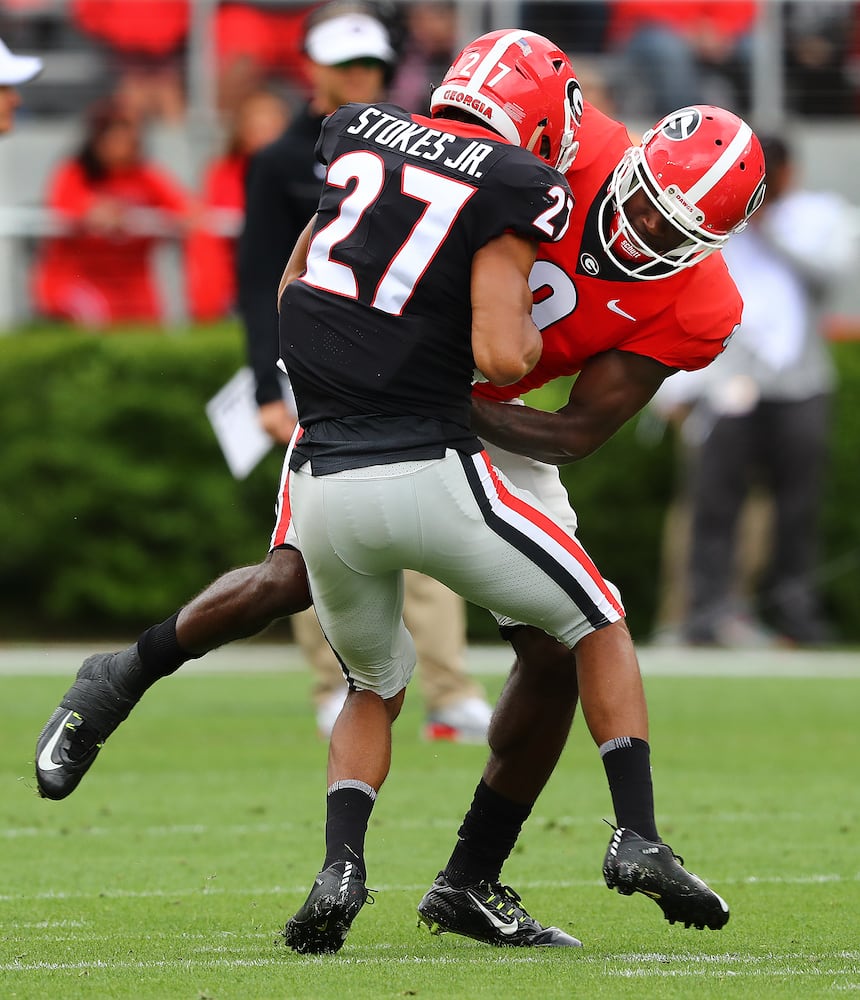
[
  {"x": 702, "y": 168},
  {"x": 522, "y": 86}
]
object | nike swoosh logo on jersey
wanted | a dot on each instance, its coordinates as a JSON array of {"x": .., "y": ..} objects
[
  {"x": 506, "y": 927},
  {"x": 612, "y": 306},
  {"x": 46, "y": 761}
]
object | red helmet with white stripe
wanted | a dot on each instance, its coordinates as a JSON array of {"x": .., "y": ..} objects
[
  {"x": 703, "y": 168},
  {"x": 522, "y": 86}
]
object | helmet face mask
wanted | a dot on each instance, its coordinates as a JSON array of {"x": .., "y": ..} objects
[
  {"x": 702, "y": 168},
  {"x": 520, "y": 85}
]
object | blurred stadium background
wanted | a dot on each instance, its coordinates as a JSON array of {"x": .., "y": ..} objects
[
  {"x": 804, "y": 80},
  {"x": 120, "y": 540}
]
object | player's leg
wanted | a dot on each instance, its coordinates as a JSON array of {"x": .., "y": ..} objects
[
  {"x": 238, "y": 604},
  {"x": 532, "y": 718},
  {"x": 360, "y": 612},
  {"x": 455, "y": 705},
  {"x": 329, "y": 687},
  {"x": 528, "y": 569},
  {"x": 531, "y": 724},
  {"x": 359, "y": 760}
]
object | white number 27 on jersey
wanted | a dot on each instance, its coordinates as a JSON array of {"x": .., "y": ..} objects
[{"x": 443, "y": 197}]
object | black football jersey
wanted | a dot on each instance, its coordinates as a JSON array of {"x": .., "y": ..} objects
[{"x": 376, "y": 334}]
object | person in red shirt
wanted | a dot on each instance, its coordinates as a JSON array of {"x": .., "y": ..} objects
[
  {"x": 635, "y": 290},
  {"x": 211, "y": 249},
  {"x": 112, "y": 208},
  {"x": 257, "y": 44},
  {"x": 673, "y": 46},
  {"x": 146, "y": 43}
]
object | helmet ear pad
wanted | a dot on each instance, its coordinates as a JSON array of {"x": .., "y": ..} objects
[{"x": 521, "y": 85}]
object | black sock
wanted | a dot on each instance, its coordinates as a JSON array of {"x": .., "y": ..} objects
[
  {"x": 627, "y": 761},
  {"x": 487, "y": 837},
  {"x": 160, "y": 652},
  {"x": 348, "y": 808}
]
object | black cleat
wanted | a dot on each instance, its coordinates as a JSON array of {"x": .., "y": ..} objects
[
  {"x": 107, "y": 688},
  {"x": 491, "y": 913},
  {"x": 633, "y": 864},
  {"x": 321, "y": 925}
]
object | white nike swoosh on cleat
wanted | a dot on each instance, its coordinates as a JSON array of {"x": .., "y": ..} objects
[
  {"x": 612, "y": 306},
  {"x": 506, "y": 927},
  {"x": 46, "y": 762}
]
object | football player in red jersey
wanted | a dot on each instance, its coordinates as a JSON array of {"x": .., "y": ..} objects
[
  {"x": 633, "y": 293},
  {"x": 624, "y": 220}
]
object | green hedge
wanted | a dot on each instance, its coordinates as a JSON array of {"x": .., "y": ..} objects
[{"x": 116, "y": 504}]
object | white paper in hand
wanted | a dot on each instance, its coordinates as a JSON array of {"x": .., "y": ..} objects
[{"x": 233, "y": 413}]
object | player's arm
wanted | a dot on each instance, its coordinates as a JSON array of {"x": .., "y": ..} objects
[
  {"x": 610, "y": 389},
  {"x": 506, "y": 344},
  {"x": 298, "y": 259}
]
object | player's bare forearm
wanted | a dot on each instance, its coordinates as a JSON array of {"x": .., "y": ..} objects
[
  {"x": 298, "y": 259},
  {"x": 521, "y": 429},
  {"x": 610, "y": 389},
  {"x": 506, "y": 344}
]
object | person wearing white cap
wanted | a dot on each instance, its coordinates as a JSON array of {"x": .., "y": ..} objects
[
  {"x": 14, "y": 70},
  {"x": 349, "y": 57},
  {"x": 348, "y": 37}
]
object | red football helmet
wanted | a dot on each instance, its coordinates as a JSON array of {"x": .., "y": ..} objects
[
  {"x": 521, "y": 85},
  {"x": 703, "y": 169}
]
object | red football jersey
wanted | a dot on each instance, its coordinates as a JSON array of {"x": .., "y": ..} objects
[{"x": 585, "y": 305}]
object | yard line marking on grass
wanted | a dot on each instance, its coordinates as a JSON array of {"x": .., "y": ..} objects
[
  {"x": 283, "y": 960},
  {"x": 777, "y": 970},
  {"x": 234, "y": 937},
  {"x": 198, "y": 829},
  {"x": 277, "y": 890},
  {"x": 695, "y": 956},
  {"x": 748, "y": 965},
  {"x": 496, "y": 658}
]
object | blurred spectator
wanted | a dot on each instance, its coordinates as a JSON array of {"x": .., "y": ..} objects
[
  {"x": 678, "y": 48},
  {"x": 578, "y": 27},
  {"x": 114, "y": 206},
  {"x": 14, "y": 70},
  {"x": 146, "y": 40},
  {"x": 431, "y": 41},
  {"x": 257, "y": 45},
  {"x": 763, "y": 414},
  {"x": 210, "y": 250},
  {"x": 348, "y": 57},
  {"x": 818, "y": 41}
]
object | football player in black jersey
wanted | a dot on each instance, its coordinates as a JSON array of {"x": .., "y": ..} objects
[{"x": 413, "y": 272}]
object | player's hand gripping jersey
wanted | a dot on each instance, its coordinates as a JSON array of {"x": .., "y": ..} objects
[
  {"x": 585, "y": 305},
  {"x": 376, "y": 334}
]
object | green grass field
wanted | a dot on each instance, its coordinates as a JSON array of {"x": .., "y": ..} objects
[{"x": 170, "y": 872}]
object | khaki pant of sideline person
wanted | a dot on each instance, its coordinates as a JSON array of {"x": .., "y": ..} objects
[{"x": 436, "y": 618}]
